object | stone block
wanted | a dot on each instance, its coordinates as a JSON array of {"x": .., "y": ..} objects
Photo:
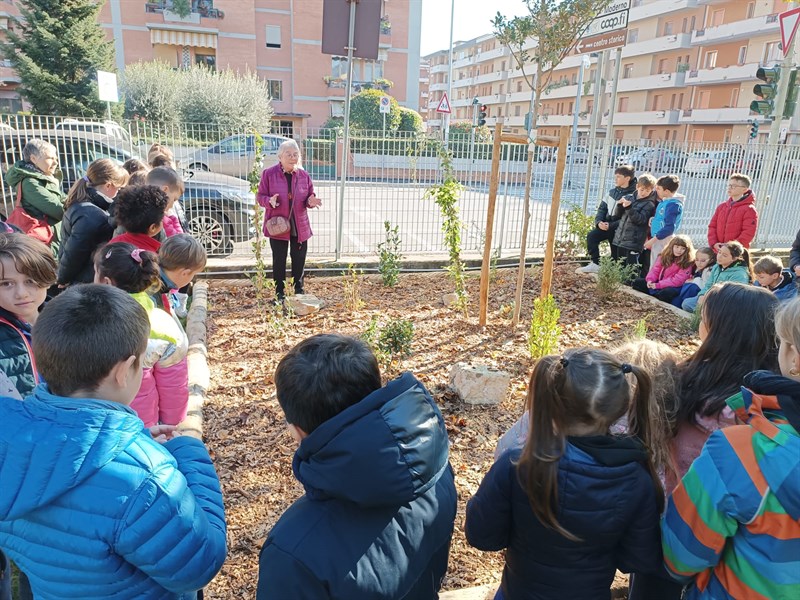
[
  {"x": 479, "y": 384},
  {"x": 304, "y": 304},
  {"x": 450, "y": 299}
]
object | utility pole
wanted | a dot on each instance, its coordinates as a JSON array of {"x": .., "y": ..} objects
[
  {"x": 610, "y": 123},
  {"x": 585, "y": 62},
  {"x": 596, "y": 114}
]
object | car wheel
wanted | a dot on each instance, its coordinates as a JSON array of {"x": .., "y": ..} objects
[
  {"x": 211, "y": 229},
  {"x": 198, "y": 167}
]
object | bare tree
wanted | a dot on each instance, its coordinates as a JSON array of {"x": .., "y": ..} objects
[{"x": 552, "y": 29}]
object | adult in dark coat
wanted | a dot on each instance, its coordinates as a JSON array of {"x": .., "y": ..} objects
[
  {"x": 86, "y": 222},
  {"x": 604, "y": 225}
]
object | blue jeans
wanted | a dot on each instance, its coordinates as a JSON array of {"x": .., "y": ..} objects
[
  {"x": 690, "y": 304},
  {"x": 688, "y": 290}
]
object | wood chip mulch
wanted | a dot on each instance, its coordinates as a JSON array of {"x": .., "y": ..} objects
[{"x": 244, "y": 426}]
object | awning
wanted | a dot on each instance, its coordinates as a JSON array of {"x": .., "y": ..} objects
[{"x": 183, "y": 38}]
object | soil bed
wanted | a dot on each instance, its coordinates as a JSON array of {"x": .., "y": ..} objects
[{"x": 245, "y": 429}]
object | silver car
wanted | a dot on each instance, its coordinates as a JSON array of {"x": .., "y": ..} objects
[{"x": 234, "y": 155}]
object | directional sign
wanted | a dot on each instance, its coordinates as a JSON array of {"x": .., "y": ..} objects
[
  {"x": 605, "y": 41},
  {"x": 444, "y": 104},
  {"x": 107, "y": 86},
  {"x": 789, "y": 21},
  {"x": 606, "y": 23},
  {"x": 385, "y": 105}
]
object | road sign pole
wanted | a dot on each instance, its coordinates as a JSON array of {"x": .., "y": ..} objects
[
  {"x": 346, "y": 143},
  {"x": 596, "y": 112},
  {"x": 610, "y": 123},
  {"x": 578, "y": 95},
  {"x": 449, "y": 75}
]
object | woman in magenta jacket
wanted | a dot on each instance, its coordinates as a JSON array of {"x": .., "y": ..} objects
[{"x": 286, "y": 190}]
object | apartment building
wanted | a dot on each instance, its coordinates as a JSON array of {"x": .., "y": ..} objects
[
  {"x": 280, "y": 39},
  {"x": 686, "y": 74},
  {"x": 424, "y": 85}
]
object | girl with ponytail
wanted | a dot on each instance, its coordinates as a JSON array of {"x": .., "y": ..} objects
[{"x": 575, "y": 503}]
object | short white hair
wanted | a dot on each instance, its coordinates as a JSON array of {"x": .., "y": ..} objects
[
  {"x": 290, "y": 145},
  {"x": 36, "y": 147}
]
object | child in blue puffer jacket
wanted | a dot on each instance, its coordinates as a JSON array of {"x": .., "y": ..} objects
[
  {"x": 576, "y": 503},
  {"x": 93, "y": 505}
]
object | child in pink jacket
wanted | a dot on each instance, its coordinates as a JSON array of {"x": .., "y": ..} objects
[
  {"x": 163, "y": 396},
  {"x": 670, "y": 271}
]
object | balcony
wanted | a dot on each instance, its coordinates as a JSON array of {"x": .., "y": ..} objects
[
  {"x": 651, "y": 82},
  {"x": 204, "y": 8},
  {"x": 657, "y": 9},
  {"x": 443, "y": 68},
  {"x": 716, "y": 115},
  {"x": 650, "y": 117},
  {"x": 659, "y": 45},
  {"x": 437, "y": 87},
  {"x": 461, "y": 83},
  {"x": 490, "y": 77},
  {"x": 559, "y": 120},
  {"x": 732, "y": 74},
  {"x": 738, "y": 30},
  {"x": 491, "y": 54}
]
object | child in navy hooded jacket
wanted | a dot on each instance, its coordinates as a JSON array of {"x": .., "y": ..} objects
[{"x": 377, "y": 514}]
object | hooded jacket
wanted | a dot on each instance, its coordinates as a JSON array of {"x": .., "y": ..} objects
[
  {"x": 605, "y": 209},
  {"x": 92, "y": 507},
  {"x": 377, "y": 515},
  {"x": 668, "y": 217},
  {"x": 736, "y": 272},
  {"x": 786, "y": 288},
  {"x": 734, "y": 221},
  {"x": 606, "y": 497},
  {"x": 732, "y": 522},
  {"x": 42, "y": 195},
  {"x": 16, "y": 356},
  {"x": 672, "y": 276},
  {"x": 85, "y": 227},
  {"x": 631, "y": 232}
]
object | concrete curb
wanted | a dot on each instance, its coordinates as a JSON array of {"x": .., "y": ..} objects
[
  {"x": 651, "y": 299},
  {"x": 197, "y": 357}
]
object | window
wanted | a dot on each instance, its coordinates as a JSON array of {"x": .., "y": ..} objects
[
  {"x": 627, "y": 71},
  {"x": 693, "y": 23},
  {"x": 751, "y": 10},
  {"x": 742, "y": 55},
  {"x": 209, "y": 60},
  {"x": 633, "y": 36},
  {"x": 275, "y": 89},
  {"x": 273, "y": 36},
  {"x": 337, "y": 108},
  {"x": 684, "y": 25},
  {"x": 339, "y": 67},
  {"x": 726, "y": 137},
  {"x": 622, "y": 105},
  {"x": 697, "y": 135},
  {"x": 503, "y": 66},
  {"x": 662, "y": 65},
  {"x": 501, "y": 88},
  {"x": 772, "y": 51},
  {"x": 703, "y": 100},
  {"x": 718, "y": 17},
  {"x": 519, "y": 86},
  {"x": 236, "y": 144},
  {"x": 657, "y": 102},
  {"x": 672, "y": 101},
  {"x": 668, "y": 28},
  {"x": 517, "y": 110},
  {"x": 711, "y": 59},
  {"x": 734, "y": 97},
  {"x": 373, "y": 69},
  {"x": 571, "y": 107}
]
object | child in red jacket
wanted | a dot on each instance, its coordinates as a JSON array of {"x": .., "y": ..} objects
[{"x": 736, "y": 219}]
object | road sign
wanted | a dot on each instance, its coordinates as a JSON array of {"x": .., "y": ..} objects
[
  {"x": 608, "y": 30},
  {"x": 789, "y": 21},
  {"x": 444, "y": 104},
  {"x": 605, "y": 41},
  {"x": 385, "y": 104},
  {"x": 107, "y": 86}
]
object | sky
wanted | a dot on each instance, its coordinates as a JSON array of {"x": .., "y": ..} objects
[{"x": 472, "y": 19}]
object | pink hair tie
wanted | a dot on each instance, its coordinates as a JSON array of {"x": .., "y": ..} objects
[{"x": 137, "y": 255}]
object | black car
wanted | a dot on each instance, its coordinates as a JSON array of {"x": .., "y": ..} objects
[{"x": 219, "y": 209}]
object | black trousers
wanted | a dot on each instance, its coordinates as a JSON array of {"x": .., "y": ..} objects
[
  {"x": 593, "y": 239},
  {"x": 631, "y": 257},
  {"x": 297, "y": 251}
]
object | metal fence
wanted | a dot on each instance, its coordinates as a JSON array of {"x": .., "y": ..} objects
[{"x": 388, "y": 175}]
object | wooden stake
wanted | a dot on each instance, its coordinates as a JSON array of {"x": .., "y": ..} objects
[
  {"x": 547, "y": 271},
  {"x": 526, "y": 218},
  {"x": 487, "y": 246}
]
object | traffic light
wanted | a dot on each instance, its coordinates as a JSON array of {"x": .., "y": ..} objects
[
  {"x": 482, "y": 110},
  {"x": 753, "y": 129},
  {"x": 766, "y": 91},
  {"x": 791, "y": 97}
]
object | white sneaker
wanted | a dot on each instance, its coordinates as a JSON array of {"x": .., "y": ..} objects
[{"x": 590, "y": 268}]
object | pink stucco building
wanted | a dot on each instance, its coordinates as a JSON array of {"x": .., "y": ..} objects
[{"x": 279, "y": 39}]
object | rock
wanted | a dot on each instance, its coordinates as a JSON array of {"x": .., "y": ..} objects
[
  {"x": 304, "y": 304},
  {"x": 450, "y": 299},
  {"x": 479, "y": 384}
]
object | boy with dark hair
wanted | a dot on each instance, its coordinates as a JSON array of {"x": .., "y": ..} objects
[
  {"x": 140, "y": 212},
  {"x": 771, "y": 275},
  {"x": 667, "y": 220},
  {"x": 604, "y": 225},
  {"x": 93, "y": 505},
  {"x": 377, "y": 516},
  {"x": 736, "y": 219}
]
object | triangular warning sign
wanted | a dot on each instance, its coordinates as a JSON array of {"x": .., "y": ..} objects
[
  {"x": 444, "y": 104},
  {"x": 789, "y": 21}
]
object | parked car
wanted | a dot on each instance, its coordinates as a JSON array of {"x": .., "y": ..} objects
[
  {"x": 108, "y": 128},
  {"x": 614, "y": 152},
  {"x": 234, "y": 155},
  {"x": 581, "y": 154},
  {"x": 657, "y": 160},
  {"x": 218, "y": 208},
  {"x": 709, "y": 163}
]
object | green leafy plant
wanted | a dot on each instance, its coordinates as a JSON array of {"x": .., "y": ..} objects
[
  {"x": 259, "y": 276},
  {"x": 579, "y": 224},
  {"x": 639, "y": 330},
  {"x": 445, "y": 196},
  {"x": 389, "y": 256},
  {"x": 544, "y": 331},
  {"x": 390, "y": 341},
  {"x": 691, "y": 324},
  {"x": 612, "y": 276},
  {"x": 182, "y": 8},
  {"x": 351, "y": 282}
]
